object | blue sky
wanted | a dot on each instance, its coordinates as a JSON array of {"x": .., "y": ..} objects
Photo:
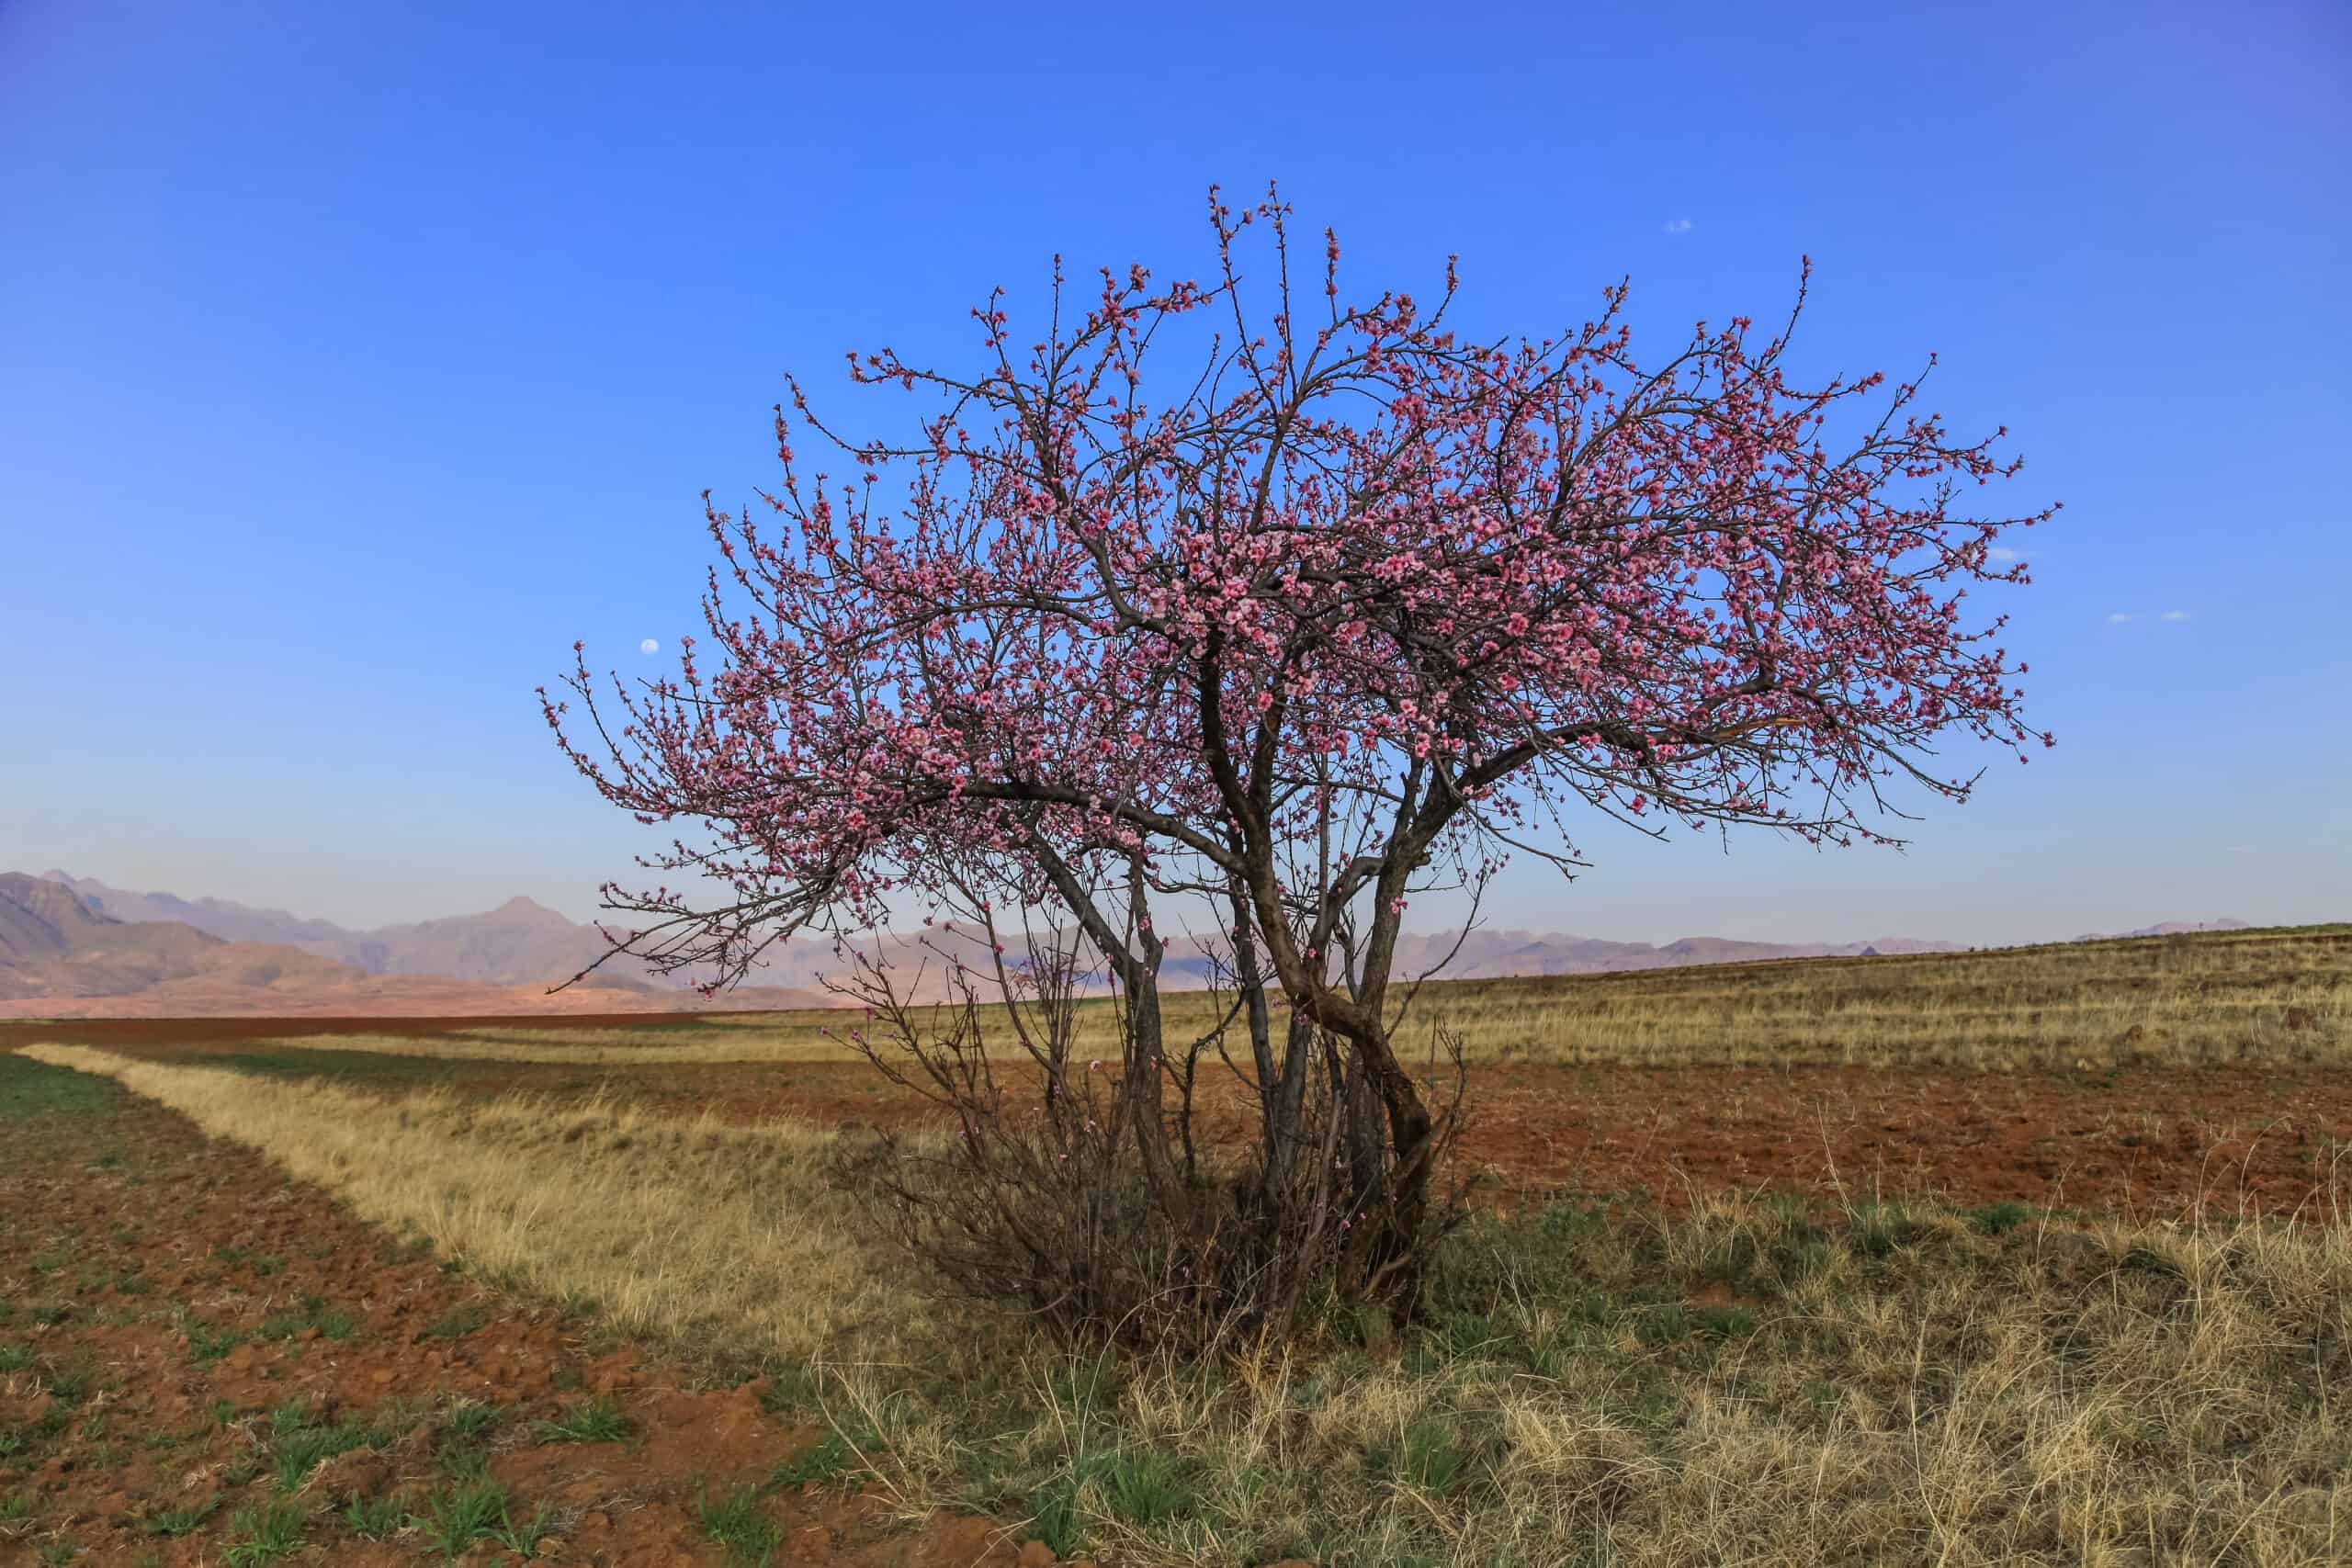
[{"x": 354, "y": 360}]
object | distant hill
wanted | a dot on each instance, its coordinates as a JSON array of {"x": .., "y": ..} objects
[
  {"x": 217, "y": 916},
  {"x": 2170, "y": 928},
  {"x": 62, "y": 955},
  {"x": 54, "y": 944},
  {"x": 1523, "y": 952},
  {"x": 1496, "y": 954},
  {"x": 524, "y": 943},
  {"x": 519, "y": 943}
]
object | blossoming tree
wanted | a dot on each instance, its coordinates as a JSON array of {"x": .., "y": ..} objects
[{"x": 1334, "y": 608}]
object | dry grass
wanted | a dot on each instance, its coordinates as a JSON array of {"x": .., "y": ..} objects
[
  {"x": 2206, "y": 999},
  {"x": 1884, "y": 1386},
  {"x": 686, "y": 1229}
]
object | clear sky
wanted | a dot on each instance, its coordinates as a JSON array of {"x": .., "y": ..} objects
[{"x": 354, "y": 359}]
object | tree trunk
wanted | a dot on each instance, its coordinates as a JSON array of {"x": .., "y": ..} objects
[
  {"x": 1146, "y": 1111},
  {"x": 1393, "y": 1253}
]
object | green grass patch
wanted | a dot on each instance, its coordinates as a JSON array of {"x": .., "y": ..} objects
[
  {"x": 597, "y": 1420},
  {"x": 1145, "y": 1488},
  {"x": 356, "y": 1069},
  {"x": 2000, "y": 1219},
  {"x": 458, "y": 1322},
  {"x": 207, "y": 1341},
  {"x": 740, "y": 1525},
  {"x": 261, "y": 1265},
  {"x": 1428, "y": 1453},
  {"x": 1054, "y": 1517},
  {"x": 829, "y": 1459},
  {"x": 31, "y": 1090},
  {"x": 794, "y": 1388},
  {"x": 456, "y": 1516},
  {"x": 1876, "y": 1229},
  {"x": 373, "y": 1518},
  {"x": 1723, "y": 1322},
  {"x": 264, "y": 1533},
  {"x": 299, "y": 1442},
  {"x": 523, "y": 1539},
  {"x": 469, "y": 1420},
  {"x": 331, "y": 1322},
  {"x": 1141, "y": 1486},
  {"x": 186, "y": 1519}
]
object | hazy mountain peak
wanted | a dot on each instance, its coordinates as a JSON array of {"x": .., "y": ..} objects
[
  {"x": 522, "y": 904},
  {"x": 56, "y": 943},
  {"x": 43, "y": 919}
]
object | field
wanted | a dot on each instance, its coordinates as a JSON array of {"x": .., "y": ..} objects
[{"x": 2032, "y": 1256}]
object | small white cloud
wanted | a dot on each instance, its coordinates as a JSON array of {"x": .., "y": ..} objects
[
  {"x": 2117, "y": 618},
  {"x": 2176, "y": 614},
  {"x": 649, "y": 646},
  {"x": 2003, "y": 552},
  {"x": 1678, "y": 225}
]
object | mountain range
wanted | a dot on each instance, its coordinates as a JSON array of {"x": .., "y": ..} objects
[
  {"x": 519, "y": 943},
  {"x": 53, "y": 941},
  {"x": 68, "y": 940},
  {"x": 2169, "y": 928},
  {"x": 523, "y": 942},
  {"x": 66, "y": 951}
]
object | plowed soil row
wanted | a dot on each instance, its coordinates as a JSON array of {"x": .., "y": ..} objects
[
  {"x": 177, "y": 1320},
  {"x": 2148, "y": 1141}
]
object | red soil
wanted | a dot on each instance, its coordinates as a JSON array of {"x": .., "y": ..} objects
[
  {"x": 2154, "y": 1141},
  {"x": 77, "y": 1230},
  {"x": 2149, "y": 1141},
  {"x": 228, "y": 997},
  {"x": 217, "y": 1031}
]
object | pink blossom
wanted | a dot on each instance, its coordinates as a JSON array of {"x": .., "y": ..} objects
[{"x": 1089, "y": 617}]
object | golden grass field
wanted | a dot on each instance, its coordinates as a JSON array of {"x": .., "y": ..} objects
[
  {"x": 2209, "y": 999},
  {"x": 1757, "y": 1379},
  {"x": 1750, "y": 1382}
]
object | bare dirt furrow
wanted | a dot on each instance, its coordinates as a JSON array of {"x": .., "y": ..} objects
[{"x": 199, "y": 1355}]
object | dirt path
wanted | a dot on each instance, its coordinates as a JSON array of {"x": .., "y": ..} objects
[{"x": 198, "y": 1354}]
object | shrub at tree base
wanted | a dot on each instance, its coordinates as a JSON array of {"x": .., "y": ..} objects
[{"x": 1358, "y": 609}]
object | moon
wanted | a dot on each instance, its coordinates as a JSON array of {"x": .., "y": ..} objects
[{"x": 649, "y": 646}]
